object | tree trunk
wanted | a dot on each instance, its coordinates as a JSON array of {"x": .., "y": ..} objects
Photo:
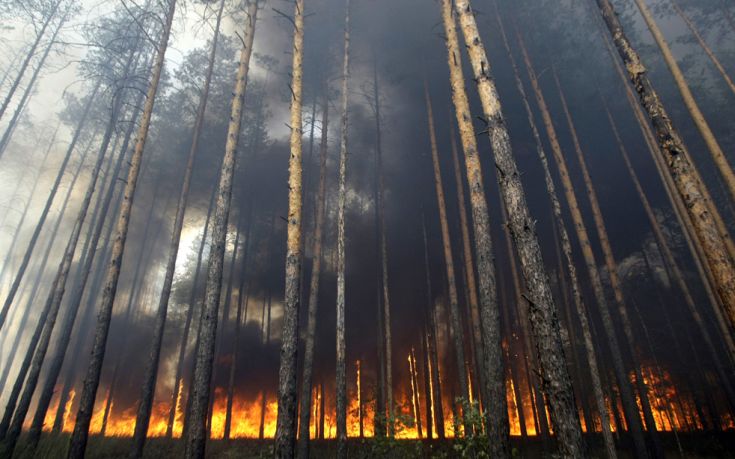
[
  {"x": 469, "y": 264},
  {"x": 308, "y": 375},
  {"x": 679, "y": 165},
  {"x": 429, "y": 320},
  {"x": 189, "y": 316},
  {"x": 19, "y": 227},
  {"x": 30, "y": 87},
  {"x": 340, "y": 373},
  {"x": 56, "y": 295},
  {"x": 454, "y": 315},
  {"x": 44, "y": 213},
  {"x": 556, "y": 382},
  {"x": 200, "y": 390},
  {"x": 496, "y": 413},
  {"x": 29, "y": 56},
  {"x": 91, "y": 382},
  {"x": 428, "y": 386},
  {"x": 671, "y": 263},
  {"x": 632, "y": 418},
  {"x": 151, "y": 370},
  {"x": 286, "y": 424}
]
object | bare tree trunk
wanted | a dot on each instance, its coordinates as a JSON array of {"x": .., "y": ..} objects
[
  {"x": 556, "y": 382},
  {"x": 151, "y": 370},
  {"x": 417, "y": 392},
  {"x": 469, "y": 264},
  {"x": 679, "y": 165},
  {"x": 718, "y": 156},
  {"x": 189, "y": 316},
  {"x": 428, "y": 386},
  {"x": 29, "y": 56},
  {"x": 436, "y": 393},
  {"x": 5, "y": 140},
  {"x": 38, "y": 330},
  {"x": 340, "y": 372},
  {"x": 671, "y": 263},
  {"x": 56, "y": 295},
  {"x": 496, "y": 413},
  {"x": 308, "y": 374},
  {"x": 455, "y": 321},
  {"x": 698, "y": 36},
  {"x": 683, "y": 217},
  {"x": 615, "y": 282},
  {"x": 44, "y": 213},
  {"x": 286, "y": 425},
  {"x": 19, "y": 227},
  {"x": 91, "y": 382},
  {"x": 200, "y": 391},
  {"x": 570, "y": 265},
  {"x": 632, "y": 418}
]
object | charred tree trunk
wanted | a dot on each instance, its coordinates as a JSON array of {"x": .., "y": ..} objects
[
  {"x": 196, "y": 431},
  {"x": 91, "y": 382},
  {"x": 679, "y": 166},
  {"x": 308, "y": 375}
]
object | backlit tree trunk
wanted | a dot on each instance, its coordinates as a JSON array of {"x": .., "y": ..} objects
[
  {"x": 91, "y": 381},
  {"x": 196, "y": 431}
]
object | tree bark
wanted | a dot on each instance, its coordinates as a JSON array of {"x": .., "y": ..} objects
[
  {"x": 496, "y": 413},
  {"x": 286, "y": 424},
  {"x": 556, "y": 382},
  {"x": 91, "y": 382},
  {"x": 151, "y": 370},
  {"x": 570, "y": 265},
  {"x": 196, "y": 430},
  {"x": 435, "y": 380},
  {"x": 630, "y": 408},
  {"x": 308, "y": 375},
  {"x": 679, "y": 165},
  {"x": 340, "y": 373},
  {"x": 454, "y": 315}
]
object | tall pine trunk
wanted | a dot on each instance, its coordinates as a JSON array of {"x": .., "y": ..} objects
[
  {"x": 27, "y": 60},
  {"x": 92, "y": 378},
  {"x": 496, "y": 413},
  {"x": 632, "y": 419},
  {"x": 556, "y": 382},
  {"x": 308, "y": 371},
  {"x": 151, "y": 369},
  {"x": 196, "y": 431},
  {"x": 286, "y": 424},
  {"x": 454, "y": 315},
  {"x": 679, "y": 166}
]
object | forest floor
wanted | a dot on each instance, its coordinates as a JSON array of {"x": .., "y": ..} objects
[{"x": 695, "y": 446}]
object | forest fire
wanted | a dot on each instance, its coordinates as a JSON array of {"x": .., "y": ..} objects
[{"x": 292, "y": 229}]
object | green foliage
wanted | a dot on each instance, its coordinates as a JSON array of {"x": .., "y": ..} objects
[{"x": 472, "y": 443}]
